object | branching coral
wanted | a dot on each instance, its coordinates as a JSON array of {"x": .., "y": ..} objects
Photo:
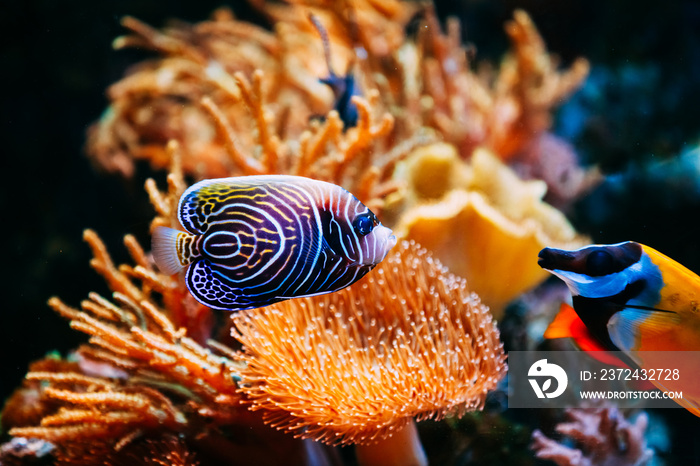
[
  {"x": 503, "y": 112},
  {"x": 231, "y": 120},
  {"x": 603, "y": 437},
  {"x": 358, "y": 365},
  {"x": 205, "y": 91},
  {"x": 153, "y": 377},
  {"x": 140, "y": 377},
  {"x": 508, "y": 112},
  {"x": 376, "y": 27},
  {"x": 423, "y": 347},
  {"x": 159, "y": 100},
  {"x": 323, "y": 152},
  {"x": 27, "y": 405},
  {"x": 141, "y": 374},
  {"x": 427, "y": 82}
]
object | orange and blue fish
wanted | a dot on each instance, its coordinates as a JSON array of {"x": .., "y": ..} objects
[
  {"x": 631, "y": 298},
  {"x": 251, "y": 241}
]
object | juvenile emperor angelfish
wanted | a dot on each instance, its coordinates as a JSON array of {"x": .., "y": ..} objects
[{"x": 256, "y": 240}]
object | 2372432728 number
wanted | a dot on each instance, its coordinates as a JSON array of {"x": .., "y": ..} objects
[{"x": 639, "y": 374}]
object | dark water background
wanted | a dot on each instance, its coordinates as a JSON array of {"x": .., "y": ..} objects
[{"x": 642, "y": 103}]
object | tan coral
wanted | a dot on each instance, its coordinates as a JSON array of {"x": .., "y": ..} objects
[
  {"x": 135, "y": 340},
  {"x": 488, "y": 229},
  {"x": 236, "y": 71},
  {"x": 159, "y": 99},
  {"x": 501, "y": 111},
  {"x": 427, "y": 82},
  {"x": 141, "y": 371},
  {"x": 141, "y": 375},
  {"x": 358, "y": 365}
]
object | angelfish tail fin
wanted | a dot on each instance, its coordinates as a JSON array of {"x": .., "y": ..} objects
[{"x": 173, "y": 250}]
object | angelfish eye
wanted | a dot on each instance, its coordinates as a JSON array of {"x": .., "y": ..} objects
[
  {"x": 363, "y": 224},
  {"x": 599, "y": 262}
]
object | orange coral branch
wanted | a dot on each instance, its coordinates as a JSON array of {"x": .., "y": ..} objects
[
  {"x": 165, "y": 204},
  {"x": 58, "y": 434},
  {"x": 148, "y": 37},
  {"x": 72, "y": 378},
  {"x": 313, "y": 147},
  {"x": 366, "y": 132},
  {"x": 215, "y": 119},
  {"x": 103, "y": 264},
  {"x": 504, "y": 113},
  {"x": 247, "y": 165},
  {"x": 80, "y": 416},
  {"x": 253, "y": 97},
  {"x": 158, "y": 200},
  {"x": 135, "y": 356}
]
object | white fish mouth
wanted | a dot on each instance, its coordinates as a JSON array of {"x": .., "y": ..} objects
[
  {"x": 390, "y": 243},
  {"x": 384, "y": 241}
]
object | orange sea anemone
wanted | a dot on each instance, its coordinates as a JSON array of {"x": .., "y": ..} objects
[{"x": 357, "y": 366}]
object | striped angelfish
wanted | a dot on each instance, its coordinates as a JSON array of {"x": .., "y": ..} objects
[{"x": 255, "y": 240}]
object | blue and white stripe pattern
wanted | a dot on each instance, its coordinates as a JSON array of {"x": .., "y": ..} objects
[{"x": 252, "y": 241}]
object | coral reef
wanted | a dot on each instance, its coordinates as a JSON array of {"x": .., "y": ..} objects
[
  {"x": 426, "y": 81},
  {"x": 204, "y": 91},
  {"x": 137, "y": 383},
  {"x": 603, "y": 436},
  {"x": 162, "y": 382},
  {"x": 142, "y": 378},
  {"x": 201, "y": 96},
  {"x": 129, "y": 375},
  {"x": 453, "y": 147}
]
